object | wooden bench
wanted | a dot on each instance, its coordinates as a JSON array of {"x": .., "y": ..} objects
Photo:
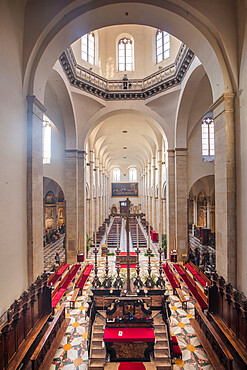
[
  {"x": 54, "y": 273},
  {"x": 74, "y": 298},
  {"x": 26, "y": 318},
  {"x": 45, "y": 351},
  {"x": 230, "y": 337},
  {"x": 181, "y": 297},
  {"x": 218, "y": 353}
]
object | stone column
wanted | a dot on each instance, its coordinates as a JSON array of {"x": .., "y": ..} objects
[
  {"x": 170, "y": 200},
  {"x": 96, "y": 170},
  {"x": 100, "y": 194},
  {"x": 71, "y": 196},
  {"x": 208, "y": 212},
  {"x": 35, "y": 258},
  {"x": 103, "y": 193},
  {"x": 81, "y": 203},
  {"x": 195, "y": 210},
  {"x": 150, "y": 193},
  {"x": 92, "y": 209},
  {"x": 181, "y": 195},
  {"x": 160, "y": 208},
  {"x": 225, "y": 187},
  {"x": 154, "y": 194}
]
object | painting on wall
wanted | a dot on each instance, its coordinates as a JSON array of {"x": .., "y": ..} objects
[{"x": 128, "y": 189}]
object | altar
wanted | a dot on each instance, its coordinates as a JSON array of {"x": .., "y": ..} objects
[{"x": 123, "y": 259}]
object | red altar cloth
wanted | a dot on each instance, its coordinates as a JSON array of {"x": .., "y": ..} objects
[
  {"x": 154, "y": 236},
  {"x": 125, "y": 253},
  {"x": 129, "y": 335}
]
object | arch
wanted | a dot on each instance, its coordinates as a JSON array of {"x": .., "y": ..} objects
[
  {"x": 70, "y": 23},
  {"x": 189, "y": 90}
]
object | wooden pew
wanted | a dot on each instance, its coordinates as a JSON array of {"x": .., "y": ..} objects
[
  {"x": 207, "y": 280},
  {"x": 199, "y": 291},
  {"x": 54, "y": 292},
  {"x": 181, "y": 297},
  {"x": 230, "y": 337},
  {"x": 218, "y": 353},
  {"x": 27, "y": 317},
  {"x": 44, "y": 353},
  {"x": 54, "y": 273}
]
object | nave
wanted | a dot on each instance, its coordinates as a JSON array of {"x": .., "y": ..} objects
[{"x": 72, "y": 350}]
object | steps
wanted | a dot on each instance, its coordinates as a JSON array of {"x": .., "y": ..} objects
[
  {"x": 162, "y": 358},
  {"x": 97, "y": 356}
]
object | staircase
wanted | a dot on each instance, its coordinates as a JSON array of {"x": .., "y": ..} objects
[
  {"x": 162, "y": 358},
  {"x": 97, "y": 356}
]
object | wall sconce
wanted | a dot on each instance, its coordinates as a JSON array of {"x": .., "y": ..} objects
[{"x": 88, "y": 164}]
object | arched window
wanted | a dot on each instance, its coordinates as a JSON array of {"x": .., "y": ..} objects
[
  {"x": 46, "y": 140},
  {"x": 125, "y": 55},
  {"x": 162, "y": 45},
  {"x": 116, "y": 174},
  {"x": 208, "y": 137},
  {"x": 88, "y": 48},
  {"x": 132, "y": 174}
]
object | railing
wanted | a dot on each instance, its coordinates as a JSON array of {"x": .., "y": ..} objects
[{"x": 130, "y": 84}]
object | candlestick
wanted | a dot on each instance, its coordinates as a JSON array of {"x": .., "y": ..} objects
[
  {"x": 149, "y": 282},
  {"x": 107, "y": 281},
  {"x": 138, "y": 281},
  {"x": 118, "y": 282},
  {"x": 96, "y": 281}
]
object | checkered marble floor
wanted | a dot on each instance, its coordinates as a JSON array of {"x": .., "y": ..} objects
[
  {"x": 72, "y": 352},
  {"x": 50, "y": 251}
]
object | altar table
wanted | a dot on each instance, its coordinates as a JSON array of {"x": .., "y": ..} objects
[{"x": 117, "y": 335}]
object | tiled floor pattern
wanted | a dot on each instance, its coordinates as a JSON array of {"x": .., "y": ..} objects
[
  {"x": 72, "y": 352},
  {"x": 50, "y": 251}
]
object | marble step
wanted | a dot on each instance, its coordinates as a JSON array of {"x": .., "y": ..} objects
[
  {"x": 161, "y": 353},
  {"x": 96, "y": 365},
  {"x": 163, "y": 364},
  {"x": 98, "y": 354},
  {"x": 162, "y": 337},
  {"x": 98, "y": 336},
  {"x": 161, "y": 345},
  {"x": 96, "y": 344},
  {"x": 160, "y": 329}
]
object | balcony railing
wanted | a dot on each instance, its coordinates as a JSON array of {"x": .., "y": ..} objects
[{"x": 126, "y": 89}]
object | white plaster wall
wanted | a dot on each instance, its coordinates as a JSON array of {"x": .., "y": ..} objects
[
  {"x": 197, "y": 168},
  {"x": 144, "y": 51},
  {"x": 56, "y": 169},
  {"x": 13, "y": 141}
]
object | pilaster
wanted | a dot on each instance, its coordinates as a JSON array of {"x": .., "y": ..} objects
[
  {"x": 225, "y": 187},
  {"x": 34, "y": 188},
  {"x": 170, "y": 200},
  {"x": 181, "y": 194}
]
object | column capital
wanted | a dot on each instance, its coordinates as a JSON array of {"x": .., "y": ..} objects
[
  {"x": 224, "y": 103},
  {"x": 33, "y": 101}
]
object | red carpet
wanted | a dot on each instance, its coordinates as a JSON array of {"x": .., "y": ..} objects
[
  {"x": 65, "y": 285},
  {"x": 197, "y": 276},
  {"x": 170, "y": 276},
  {"x": 131, "y": 366},
  {"x": 191, "y": 287},
  {"x": 123, "y": 266}
]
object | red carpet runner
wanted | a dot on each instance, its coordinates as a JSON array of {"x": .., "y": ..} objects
[
  {"x": 131, "y": 366},
  {"x": 190, "y": 286}
]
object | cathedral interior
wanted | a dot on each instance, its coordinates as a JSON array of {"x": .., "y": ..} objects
[{"x": 123, "y": 175}]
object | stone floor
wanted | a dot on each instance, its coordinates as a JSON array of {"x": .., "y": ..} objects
[
  {"x": 50, "y": 251},
  {"x": 72, "y": 352}
]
